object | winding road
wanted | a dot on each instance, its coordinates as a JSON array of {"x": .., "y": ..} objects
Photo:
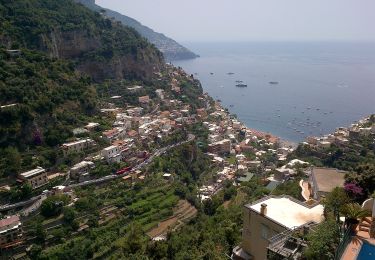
[{"x": 38, "y": 199}]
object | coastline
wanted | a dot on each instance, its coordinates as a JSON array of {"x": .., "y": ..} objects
[
  {"x": 259, "y": 133},
  {"x": 312, "y": 98}
]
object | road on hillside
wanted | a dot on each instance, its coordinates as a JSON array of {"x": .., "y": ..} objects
[{"x": 38, "y": 199}]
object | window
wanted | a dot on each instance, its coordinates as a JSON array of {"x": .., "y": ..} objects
[{"x": 265, "y": 231}]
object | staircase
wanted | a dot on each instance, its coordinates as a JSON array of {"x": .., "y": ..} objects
[{"x": 365, "y": 224}]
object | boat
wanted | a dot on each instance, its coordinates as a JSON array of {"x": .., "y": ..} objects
[
  {"x": 211, "y": 73},
  {"x": 230, "y": 105},
  {"x": 241, "y": 85},
  {"x": 230, "y": 73},
  {"x": 273, "y": 82},
  {"x": 239, "y": 81}
]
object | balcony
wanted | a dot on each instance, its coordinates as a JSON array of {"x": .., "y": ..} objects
[{"x": 289, "y": 244}]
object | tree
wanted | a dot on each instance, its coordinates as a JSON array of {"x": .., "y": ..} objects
[
  {"x": 52, "y": 206},
  {"x": 230, "y": 192},
  {"x": 69, "y": 215},
  {"x": 134, "y": 240},
  {"x": 210, "y": 205},
  {"x": 34, "y": 251},
  {"x": 323, "y": 241},
  {"x": 353, "y": 212},
  {"x": 334, "y": 202},
  {"x": 26, "y": 190},
  {"x": 93, "y": 221},
  {"x": 364, "y": 176},
  {"x": 21, "y": 192},
  {"x": 40, "y": 233},
  {"x": 10, "y": 164},
  {"x": 158, "y": 250}
]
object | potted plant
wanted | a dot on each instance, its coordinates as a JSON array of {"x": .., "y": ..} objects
[{"x": 353, "y": 212}]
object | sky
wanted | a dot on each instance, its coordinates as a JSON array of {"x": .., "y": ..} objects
[{"x": 253, "y": 20}]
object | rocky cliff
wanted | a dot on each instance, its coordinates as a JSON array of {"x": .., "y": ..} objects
[
  {"x": 99, "y": 47},
  {"x": 169, "y": 47}
]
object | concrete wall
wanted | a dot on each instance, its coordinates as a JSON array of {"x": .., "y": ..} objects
[{"x": 255, "y": 226}]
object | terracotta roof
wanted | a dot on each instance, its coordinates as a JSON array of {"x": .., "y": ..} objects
[
  {"x": 7, "y": 221},
  {"x": 110, "y": 132},
  {"x": 132, "y": 133}
]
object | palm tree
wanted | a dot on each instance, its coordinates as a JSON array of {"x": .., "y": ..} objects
[{"x": 353, "y": 212}]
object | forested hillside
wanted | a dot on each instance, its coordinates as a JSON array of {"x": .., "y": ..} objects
[
  {"x": 53, "y": 57},
  {"x": 63, "y": 29},
  {"x": 47, "y": 97},
  {"x": 171, "y": 49}
]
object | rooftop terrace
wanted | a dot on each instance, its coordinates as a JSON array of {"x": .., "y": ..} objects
[{"x": 288, "y": 211}]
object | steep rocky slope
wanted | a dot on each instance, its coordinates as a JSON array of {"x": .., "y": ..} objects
[
  {"x": 47, "y": 50},
  {"x": 169, "y": 47},
  {"x": 99, "y": 47}
]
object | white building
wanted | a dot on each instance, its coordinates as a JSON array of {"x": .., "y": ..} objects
[
  {"x": 160, "y": 93},
  {"x": 81, "y": 168},
  {"x": 77, "y": 146},
  {"x": 112, "y": 154}
]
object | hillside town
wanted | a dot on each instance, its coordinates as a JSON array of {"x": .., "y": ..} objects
[
  {"x": 109, "y": 152},
  {"x": 237, "y": 154}
]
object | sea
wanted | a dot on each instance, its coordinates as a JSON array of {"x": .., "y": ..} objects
[{"x": 317, "y": 86}]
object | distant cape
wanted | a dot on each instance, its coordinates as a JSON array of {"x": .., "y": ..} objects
[{"x": 171, "y": 49}]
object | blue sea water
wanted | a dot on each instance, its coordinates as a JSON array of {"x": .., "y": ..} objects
[{"x": 321, "y": 86}]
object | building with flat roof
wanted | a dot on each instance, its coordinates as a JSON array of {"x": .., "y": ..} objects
[
  {"x": 268, "y": 217},
  {"x": 323, "y": 180},
  {"x": 81, "y": 168},
  {"x": 144, "y": 99},
  {"x": 36, "y": 177},
  {"x": 77, "y": 146},
  {"x": 112, "y": 154},
  {"x": 160, "y": 93},
  {"x": 10, "y": 232},
  {"x": 220, "y": 147}
]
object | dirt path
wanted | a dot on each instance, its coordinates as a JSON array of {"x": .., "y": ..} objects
[
  {"x": 226, "y": 204},
  {"x": 181, "y": 214},
  {"x": 162, "y": 227}
]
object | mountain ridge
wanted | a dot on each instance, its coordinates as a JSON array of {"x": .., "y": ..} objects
[
  {"x": 99, "y": 47},
  {"x": 171, "y": 49}
]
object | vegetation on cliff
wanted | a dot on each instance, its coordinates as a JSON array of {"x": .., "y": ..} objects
[
  {"x": 170, "y": 48},
  {"x": 101, "y": 48},
  {"x": 48, "y": 99}
]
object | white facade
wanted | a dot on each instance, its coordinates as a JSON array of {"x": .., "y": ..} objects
[
  {"x": 112, "y": 154},
  {"x": 77, "y": 146}
]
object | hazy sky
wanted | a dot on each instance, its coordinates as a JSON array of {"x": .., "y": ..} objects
[{"x": 243, "y": 20}]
